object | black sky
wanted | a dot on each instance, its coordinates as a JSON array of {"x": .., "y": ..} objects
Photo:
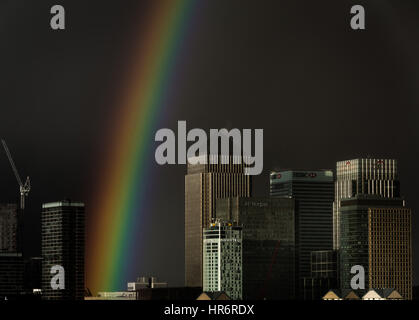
[{"x": 321, "y": 91}]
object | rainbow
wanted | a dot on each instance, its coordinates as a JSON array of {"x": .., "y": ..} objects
[{"x": 120, "y": 205}]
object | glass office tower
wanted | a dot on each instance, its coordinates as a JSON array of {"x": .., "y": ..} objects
[
  {"x": 313, "y": 194},
  {"x": 268, "y": 244}
]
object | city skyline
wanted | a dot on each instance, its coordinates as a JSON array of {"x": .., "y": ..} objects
[
  {"x": 228, "y": 210},
  {"x": 320, "y": 92}
]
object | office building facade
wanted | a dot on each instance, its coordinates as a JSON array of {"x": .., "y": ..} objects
[
  {"x": 324, "y": 275},
  {"x": 376, "y": 234},
  {"x": 204, "y": 184},
  {"x": 390, "y": 249},
  {"x": 63, "y": 240},
  {"x": 8, "y": 228},
  {"x": 268, "y": 244},
  {"x": 363, "y": 176},
  {"x": 324, "y": 264},
  {"x": 313, "y": 193},
  {"x": 222, "y": 259},
  {"x": 316, "y": 288}
]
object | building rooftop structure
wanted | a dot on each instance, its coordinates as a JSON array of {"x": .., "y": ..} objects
[
  {"x": 344, "y": 294},
  {"x": 216, "y": 295},
  {"x": 382, "y": 294}
]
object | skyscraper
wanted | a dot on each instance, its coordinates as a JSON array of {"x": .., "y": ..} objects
[
  {"x": 376, "y": 234},
  {"x": 390, "y": 249},
  {"x": 313, "y": 194},
  {"x": 204, "y": 184},
  {"x": 222, "y": 259},
  {"x": 268, "y": 244},
  {"x": 8, "y": 227},
  {"x": 63, "y": 245},
  {"x": 363, "y": 176}
]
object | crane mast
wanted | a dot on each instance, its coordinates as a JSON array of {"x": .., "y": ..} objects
[{"x": 23, "y": 188}]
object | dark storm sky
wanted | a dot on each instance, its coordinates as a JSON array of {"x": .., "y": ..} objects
[{"x": 321, "y": 91}]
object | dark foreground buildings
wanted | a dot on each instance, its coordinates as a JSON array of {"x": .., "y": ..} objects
[
  {"x": 63, "y": 245},
  {"x": 179, "y": 293},
  {"x": 11, "y": 275},
  {"x": 268, "y": 244},
  {"x": 33, "y": 274}
]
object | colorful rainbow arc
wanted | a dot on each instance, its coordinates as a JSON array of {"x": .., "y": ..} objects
[{"x": 120, "y": 204}]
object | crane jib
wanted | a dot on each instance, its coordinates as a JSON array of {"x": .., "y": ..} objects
[{"x": 23, "y": 188}]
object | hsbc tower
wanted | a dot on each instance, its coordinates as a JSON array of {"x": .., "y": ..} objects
[{"x": 313, "y": 193}]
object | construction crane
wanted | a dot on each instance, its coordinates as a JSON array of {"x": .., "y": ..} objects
[{"x": 23, "y": 188}]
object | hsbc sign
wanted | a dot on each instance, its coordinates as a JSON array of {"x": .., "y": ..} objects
[
  {"x": 304, "y": 174},
  {"x": 284, "y": 176},
  {"x": 278, "y": 176}
]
